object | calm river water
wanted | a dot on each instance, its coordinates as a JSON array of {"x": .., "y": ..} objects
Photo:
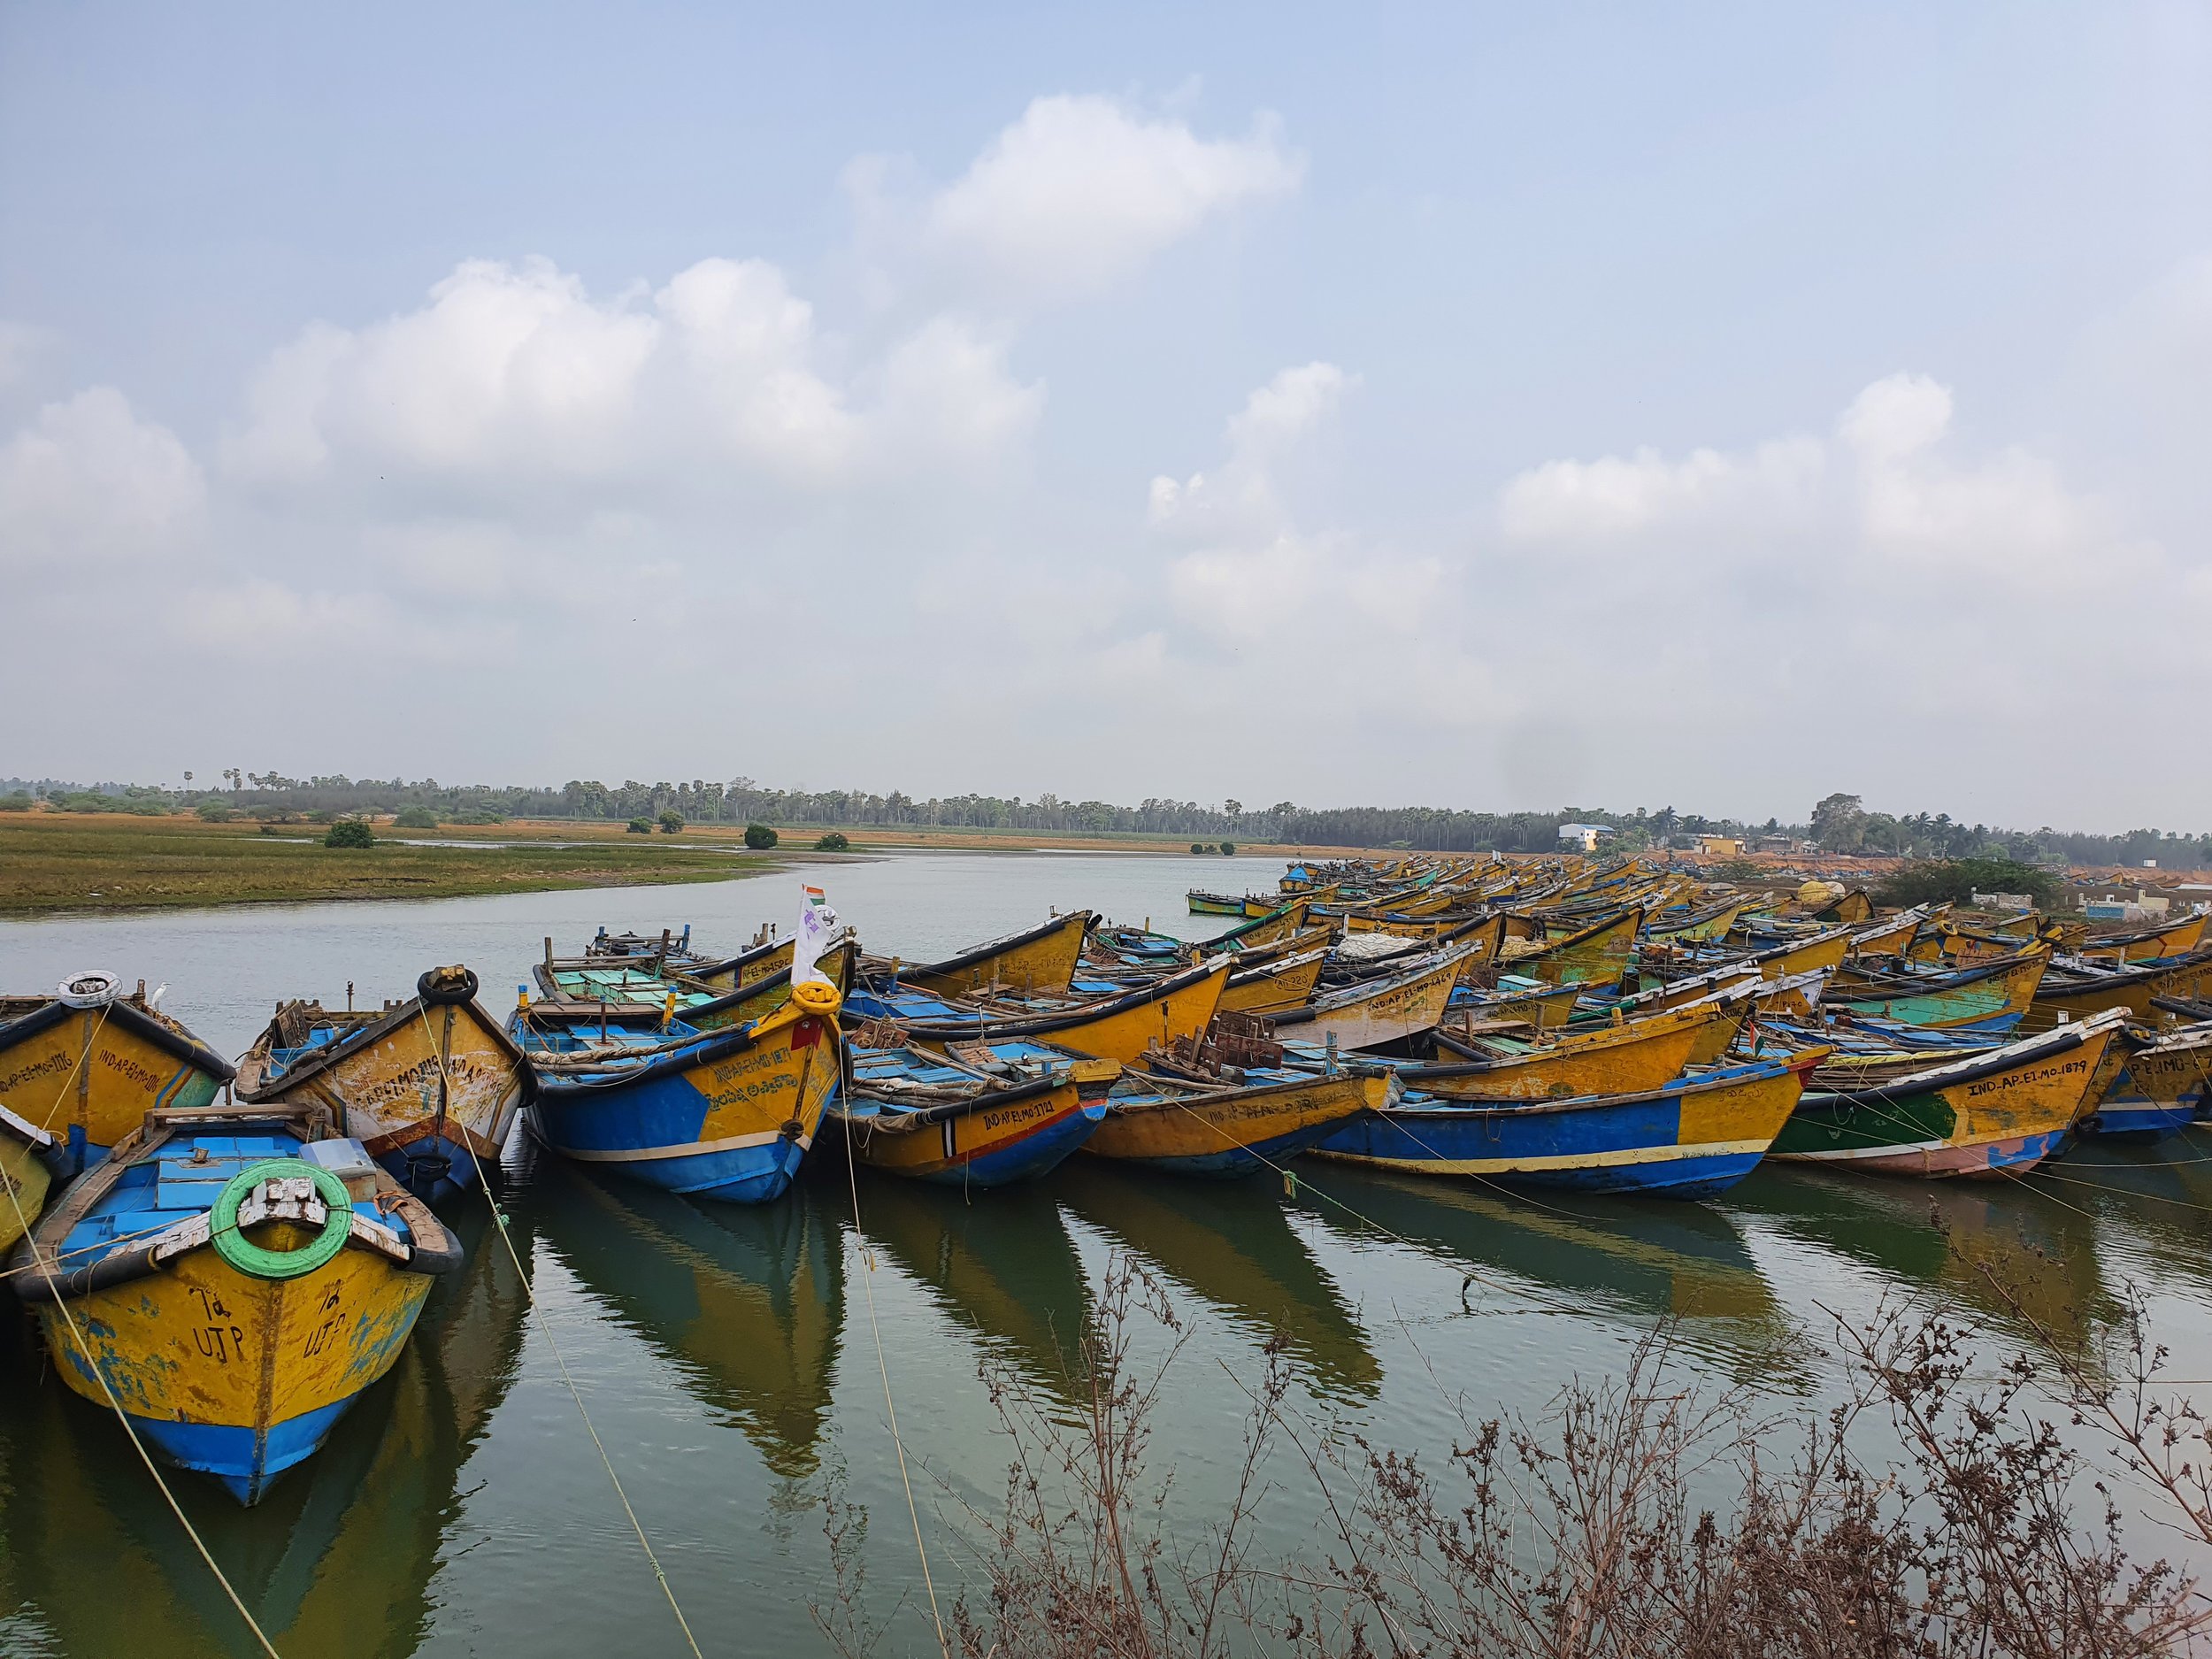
[{"x": 728, "y": 1359}]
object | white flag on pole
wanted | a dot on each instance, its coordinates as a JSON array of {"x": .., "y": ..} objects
[{"x": 817, "y": 926}]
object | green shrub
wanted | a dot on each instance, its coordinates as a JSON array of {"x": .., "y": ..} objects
[
  {"x": 20, "y": 801},
  {"x": 641, "y": 826},
  {"x": 1198, "y": 847},
  {"x": 671, "y": 822},
  {"x": 1958, "y": 880},
  {"x": 477, "y": 815},
  {"x": 759, "y": 837},
  {"x": 1228, "y": 850},
  {"x": 350, "y": 831},
  {"x": 216, "y": 812},
  {"x": 415, "y": 817},
  {"x": 833, "y": 842}
]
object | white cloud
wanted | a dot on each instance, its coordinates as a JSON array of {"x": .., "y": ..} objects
[
  {"x": 1613, "y": 497},
  {"x": 89, "y": 484},
  {"x": 1081, "y": 191}
]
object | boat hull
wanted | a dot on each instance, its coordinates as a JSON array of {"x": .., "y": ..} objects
[
  {"x": 1689, "y": 1142},
  {"x": 236, "y": 1377},
  {"x": 1387, "y": 1013},
  {"x": 2002, "y": 1117},
  {"x": 728, "y": 1118},
  {"x": 1233, "y": 1135},
  {"x": 91, "y": 1075},
  {"x": 993, "y": 1145},
  {"x": 1993, "y": 1005},
  {"x": 1630, "y": 1059}
]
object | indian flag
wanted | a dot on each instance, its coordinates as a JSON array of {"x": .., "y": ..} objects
[{"x": 817, "y": 924}]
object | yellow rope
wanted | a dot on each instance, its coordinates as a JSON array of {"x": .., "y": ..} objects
[
  {"x": 545, "y": 1327},
  {"x": 867, "y": 1284},
  {"x": 100, "y": 1374}
]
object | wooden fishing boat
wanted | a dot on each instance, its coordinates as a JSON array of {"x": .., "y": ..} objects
[
  {"x": 1631, "y": 1058},
  {"x": 88, "y": 1063},
  {"x": 1805, "y": 956},
  {"x": 1285, "y": 922},
  {"x": 1982, "y": 1115},
  {"x": 430, "y": 1086},
  {"x": 1892, "y": 936},
  {"x": 1515, "y": 999},
  {"x": 1203, "y": 903},
  {"x": 1272, "y": 986},
  {"x": 937, "y": 1118},
  {"x": 1989, "y": 997},
  {"x": 1119, "y": 1026},
  {"x": 233, "y": 1278},
  {"x": 1375, "y": 1012},
  {"x": 725, "y": 1114},
  {"x": 1229, "y": 1107},
  {"x": 635, "y": 991},
  {"x": 1595, "y": 955},
  {"x": 1696, "y": 926},
  {"x": 747, "y": 967},
  {"x": 28, "y": 1157},
  {"x": 1039, "y": 961},
  {"x": 1689, "y": 1138},
  {"x": 2075, "y": 989},
  {"x": 2175, "y": 938},
  {"x": 2158, "y": 1087}
]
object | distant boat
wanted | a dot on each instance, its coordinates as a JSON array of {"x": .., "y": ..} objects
[
  {"x": 1038, "y": 961},
  {"x": 1117, "y": 1027},
  {"x": 430, "y": 1086},
  {"x": 238, "y": 1277},
  {"x": 87, "y": 1063}
]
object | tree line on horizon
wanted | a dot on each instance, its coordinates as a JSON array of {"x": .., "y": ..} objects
[{"x": 1840, "y": 823}]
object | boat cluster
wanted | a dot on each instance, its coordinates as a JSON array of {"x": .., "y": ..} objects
[{"x": 227, "y": 1256}]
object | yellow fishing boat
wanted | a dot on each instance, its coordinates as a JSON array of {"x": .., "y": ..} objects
[
  {"x": 1375, "y": 1012},
  {"x": 2177, "y": 938},
  {"x": 1191, "y": 1126},
  {"x": 88, "y": 1064},
  {"x": 26, "y": 1155},
  {"x": 1822, "y": 950},
  {"x": 1890, "y": 937},
  {"x": 1631, "y": 1058},
  {"x": 430, "y": 1086},
  {"x": 1597, "y": 955},
  {"x": 231, "y": 1279},
  {"x": 1272, "y": 986},
  {"x": 1117, "y": 1027},
  {"x": 1039, "y": 961}
]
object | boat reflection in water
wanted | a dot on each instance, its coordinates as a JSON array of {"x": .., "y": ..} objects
[
  {"x": 336, "y": 1561},
  {"x": 745, "y": 1301},
  {"x": 1623, "y": 1258},
  {"x": 1232, "y": 1244},
  {"x": 1950, "y": 1236},
  {"x": 1003, "y": 1266}
]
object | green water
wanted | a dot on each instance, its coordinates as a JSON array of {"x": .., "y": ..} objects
[{"x": 729, "y": 1356}]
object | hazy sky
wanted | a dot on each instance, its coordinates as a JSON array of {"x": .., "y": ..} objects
[{"x": 1492, "y": 407}]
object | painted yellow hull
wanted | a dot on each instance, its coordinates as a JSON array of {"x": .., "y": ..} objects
[
  {"x": 1399, "y": 1008},
  {"x": 1632, "y": 1058},
  {"x": 1889, "y": 938},
  {"x": 838, "y": 965},
  {"x": 26, "y": 1180},
  {"x": 2178, "y": 940},
  {"x": 386, "y": 1095},
  {"x": 1279, "y": 986},
  {"x": 931, "y": 1149},
  {"x": 1826, "y": 951},
  {"x": 1043, "y": 966},
  {"x": 1598, "y": 955},
  {"x": 96, "y": 1074},
  {"x": 1180, "y": 1010},
  {"x": 1201, "y": 1126},
  {"x": 201, "y": 1343},
  {"x": 1272, "y": 932},
  {"x": 1712, "y": 927},
  {"x": 746, "y": 970}
]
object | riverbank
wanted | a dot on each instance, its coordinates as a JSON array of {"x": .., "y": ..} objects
[{"x": 100, "y": 862}]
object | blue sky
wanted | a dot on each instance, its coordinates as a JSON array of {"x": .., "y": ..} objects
[{"x": 1466, "y": 406}]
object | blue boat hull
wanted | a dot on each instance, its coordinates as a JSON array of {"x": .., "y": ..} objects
[
  {"x": 241, "y": 1458},
  {"x": 2139, "y": 1120},
  {"x": 648, "y": 1129},
  {"x": 435, "y": 1169},
  {"x": 1025, "y": 1160}
]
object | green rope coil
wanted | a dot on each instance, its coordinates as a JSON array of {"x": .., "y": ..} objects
[{"x": 253, "y": 1259}]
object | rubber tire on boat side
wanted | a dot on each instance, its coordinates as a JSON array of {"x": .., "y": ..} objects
[{"x": 255, "y": 1260}]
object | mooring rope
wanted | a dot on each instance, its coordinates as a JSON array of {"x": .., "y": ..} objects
[
  {"x": 545, "y": 1328},
  {"x": 891, "y": 1411},
  {"x": 100, "y": 1374}
]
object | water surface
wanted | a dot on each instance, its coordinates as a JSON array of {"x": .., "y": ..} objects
[{"x": 729, "y": 1355}]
